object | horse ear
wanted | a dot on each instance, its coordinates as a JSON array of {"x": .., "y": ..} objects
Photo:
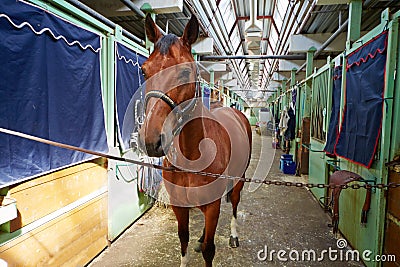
[
  {"x": 152, "y": 31},
  {"x": 191, "y": 31}
]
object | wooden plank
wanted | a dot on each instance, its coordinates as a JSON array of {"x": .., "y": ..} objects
[
  {"x": 74, "y": 237},
  {"x": 393, "y": 198},
  {"x": 58, "y": 174},
  {"x": 303, "y": 153},
  {"x": 392, "y": 232},
  {"x": 48, "y": 193},
  {"x": 80, "y": 260},
  {"x": 392, "y": 242}
]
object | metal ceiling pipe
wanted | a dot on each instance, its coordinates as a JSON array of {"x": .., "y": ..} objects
[
  {"x": 327, "y": 42},
  {"x": 253, "y": 25},
  {"x": 332, "y": 38},
  {"x": 254, "y": 91},
  {"x": 103, "y": 19},
  {"x": 300, "y": 29},
  {"x": 253, "y": 12},
  {"x": 287, "y": 57},
  {"x": 202, "y": 67},
  {"x": 134, "y": 8}
]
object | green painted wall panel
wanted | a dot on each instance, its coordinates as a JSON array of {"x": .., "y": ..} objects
[
  {"x": 351, "y": 203},
  {"x": 317, "y": 168},
  {"x": 360, "y": 237}
]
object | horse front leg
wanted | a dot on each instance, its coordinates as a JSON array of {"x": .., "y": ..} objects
[
  {"x": 211, "y": 215},
  {"x": 235, "y": 198},
  {"x": 182, "y": 216}
]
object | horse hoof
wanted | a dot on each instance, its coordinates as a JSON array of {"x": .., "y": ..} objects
[
  {"x": 197, "y": 248},
  {"x": 233, "y": 242}
]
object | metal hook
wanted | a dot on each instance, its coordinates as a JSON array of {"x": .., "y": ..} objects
[{"x": 139, "y": 112}]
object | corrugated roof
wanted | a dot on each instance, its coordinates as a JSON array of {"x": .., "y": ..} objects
[{"x": 225, "y": 20}]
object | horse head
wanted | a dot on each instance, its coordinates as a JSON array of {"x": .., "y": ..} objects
[{"x": 170, "y": 74}]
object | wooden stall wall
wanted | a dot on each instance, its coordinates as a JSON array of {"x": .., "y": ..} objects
[
  {"x": 392, "y": 227},
  {"x": 62, "y": 218}
]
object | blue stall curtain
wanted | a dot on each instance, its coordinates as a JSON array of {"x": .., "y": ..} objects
[
  {"x": 129, "y": 79},
  {"x": 362, "y": 121},
  {"x": 49, "y": 87},
  {"x": 333, "y": 128},
  {"x": 206, "y": 96}
]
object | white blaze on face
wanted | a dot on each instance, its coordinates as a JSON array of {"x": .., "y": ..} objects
[{"x": 233, "y": 227}]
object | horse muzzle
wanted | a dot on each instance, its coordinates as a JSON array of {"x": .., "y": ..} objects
[{"x": 155, "y": 148}]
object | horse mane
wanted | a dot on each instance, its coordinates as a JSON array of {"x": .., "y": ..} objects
[{"x": 165, "y": 42}]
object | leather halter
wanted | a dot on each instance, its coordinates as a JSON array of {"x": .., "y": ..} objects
[
  {"x": 182, "y": 114},
  {"x": 161, "y": 95}
]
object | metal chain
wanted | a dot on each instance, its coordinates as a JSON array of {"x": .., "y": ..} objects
[
  {"x": 291, "y": 184},
  {"x": 214, "y": 175}
]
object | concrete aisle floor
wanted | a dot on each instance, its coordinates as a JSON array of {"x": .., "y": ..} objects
[{"x": 272, "y": 217}]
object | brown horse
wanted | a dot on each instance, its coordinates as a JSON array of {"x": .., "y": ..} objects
[{"x": 177, "y": 125}]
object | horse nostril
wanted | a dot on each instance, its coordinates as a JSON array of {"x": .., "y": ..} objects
[
  {"x": 159, "y": 145},
  {"x": 163, "y": 139}
]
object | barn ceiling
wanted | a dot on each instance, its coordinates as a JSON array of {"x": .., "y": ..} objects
[{"x": 252, "y": 27}]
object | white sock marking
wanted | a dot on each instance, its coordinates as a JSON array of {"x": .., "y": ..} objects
[
  {"x": 233, "y": 227},
  {"x": 185, "y": 259}
]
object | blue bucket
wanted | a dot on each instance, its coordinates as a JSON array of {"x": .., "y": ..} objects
[
  {"x": 289, "y": 167},
  {"x": 285, "y": 158}
]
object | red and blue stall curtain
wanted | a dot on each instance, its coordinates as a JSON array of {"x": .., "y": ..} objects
[
  {"x": 363, "y": 111},
  {"x": 333, "y": 128},
  {"x": 129, "y": 79},
  {"x": 50, "y": 87}
]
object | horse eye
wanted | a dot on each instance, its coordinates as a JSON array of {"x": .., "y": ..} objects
[{"x": 143, "y": 73}]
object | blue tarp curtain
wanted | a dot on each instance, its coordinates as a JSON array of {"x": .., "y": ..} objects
[
  {"x": 50, "y": 87},
  {"x": 333, "y": 128},
  {"x": 206, "y": 96},
  {"x": 128, "y": 80},
  {"x": 362, "y": 120}
]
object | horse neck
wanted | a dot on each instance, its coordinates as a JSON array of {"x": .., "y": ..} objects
[{"x": 191, "y": 136}]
